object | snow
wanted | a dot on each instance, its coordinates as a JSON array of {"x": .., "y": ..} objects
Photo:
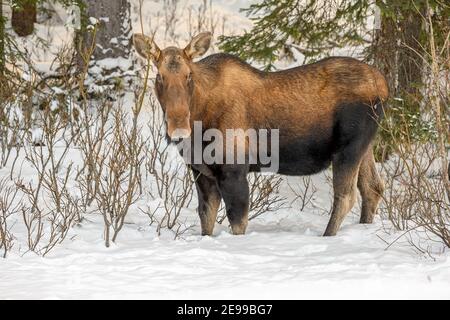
[
  {"x": 54, "y": 105},
  {"x": 114, "y": 63},
  {"x": 37, "y": 135},
  {"x": 93, "y": 21},
  {"x": 224, "y": 16},
  {"x": 283, "y": 255},
  {"x": 280, "y": 257}
]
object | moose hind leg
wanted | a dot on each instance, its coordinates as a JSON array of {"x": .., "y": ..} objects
[
  {"x": 345, "y": 175},
  {"x": 370, "y": 186},
  {"x": 233, "y": 186},
  {"x": 344, "y": 187},
  {"x": 355, "y": 129},
  {"x": 208, "y": 201}
]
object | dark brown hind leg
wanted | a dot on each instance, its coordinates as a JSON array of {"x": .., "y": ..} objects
[
  {"x": 355, "y": 130},
  {"x": 344, "y": 186},
  {"x": 208, "y": 201},
  {"x": 370, "y": 186}
]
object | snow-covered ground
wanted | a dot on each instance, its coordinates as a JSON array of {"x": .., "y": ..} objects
[{"x": 282, "y": 256}]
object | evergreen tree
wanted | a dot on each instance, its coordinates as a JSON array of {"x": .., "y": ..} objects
[{"x": 312, "y": 27}]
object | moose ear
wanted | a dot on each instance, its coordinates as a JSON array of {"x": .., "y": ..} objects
[
  {"x": 146, "y": 47},
  {"x": 199, "y": 45}
]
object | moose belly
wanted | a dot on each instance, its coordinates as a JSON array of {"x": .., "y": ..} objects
[{"x": 304, "y": 155}]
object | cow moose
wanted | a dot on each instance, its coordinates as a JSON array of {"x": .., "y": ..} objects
[{"x": 327, "y": 114}]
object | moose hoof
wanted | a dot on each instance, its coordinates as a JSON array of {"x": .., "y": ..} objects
[
  {"x": 329, "y": 233},
  {"x": 366, "y": 219},
  {"x": 239, "y": 229}
]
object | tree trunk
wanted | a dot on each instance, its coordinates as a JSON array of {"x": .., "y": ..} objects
[
  {"x": 2, "y": 40},
  {"x": 396, "y": 53},
  {"x": 396, "y": 50},
  {"x": 385, "y": 51},
  {"x": 111, "y": 59},
  {"x": 24, "y": 17},
  {"x": 410, "y": 63}
]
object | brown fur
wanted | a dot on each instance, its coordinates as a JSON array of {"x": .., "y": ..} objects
[
  {"x": 301, "y": 97},
  {"x": 231, "y": 94},
  {"x": 370, "y": 186}
]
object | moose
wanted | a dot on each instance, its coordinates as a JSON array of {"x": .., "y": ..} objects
[{"x": 327, "y": 114}]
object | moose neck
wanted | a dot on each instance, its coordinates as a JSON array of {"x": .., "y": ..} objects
[{"x": 205, "y": 83}]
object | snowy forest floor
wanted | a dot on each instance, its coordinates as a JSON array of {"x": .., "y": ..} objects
[{"x": 282, "y": 256}]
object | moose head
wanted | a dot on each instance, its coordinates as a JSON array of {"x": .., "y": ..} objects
[{"x": 175, "y": 79}]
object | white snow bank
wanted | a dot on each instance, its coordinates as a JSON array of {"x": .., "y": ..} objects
[{"x": 282, "y": 256}]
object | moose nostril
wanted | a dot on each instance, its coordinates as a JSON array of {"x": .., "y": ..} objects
[{"x": 180, "y": 134}]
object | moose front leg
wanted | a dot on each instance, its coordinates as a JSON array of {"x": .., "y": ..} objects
[
  {"x": 233, "y": 186},
  {"x": 208, "y": 201}
]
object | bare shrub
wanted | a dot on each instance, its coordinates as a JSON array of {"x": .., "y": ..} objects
[
  {"x": 31, "y": 125},
  {"x": 14, "y": 119},
  {"x": 264, "y": 196},
  {"x": 203, "y": 18},
  {"x": 51, "y": 210},
  {"x": 92, "y": 131},
  {"x": 175, "y": 187},
  {"x": 9, "y": 206},
  {"x": 173, "y": 181},
  {"x": 171, "y": 18},
  {"x": 9, "y": 131},
  {"x": 157, "y": 145},
  {"x": 418, "y": 190},
  {"x": 174, "y": 191},
  {"x": 416, "y": 195},
  {"x": 91, "y": 128},
  {"x": 304, "y": 193},
  {"x": 118, "y": 183},
  {"x": 46, "y": 226}
]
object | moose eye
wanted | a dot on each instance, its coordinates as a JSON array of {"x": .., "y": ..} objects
[
  {"x": 158, "y": 78},
  {"x": 189, "y": 78}
]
